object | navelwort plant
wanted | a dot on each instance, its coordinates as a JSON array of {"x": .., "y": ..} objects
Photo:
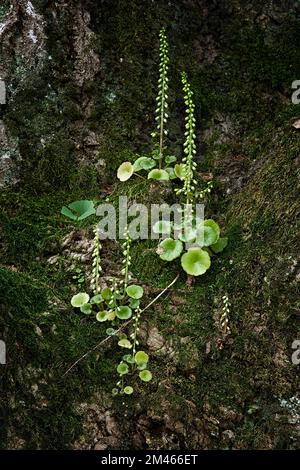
[
  {"x": 164, "y": 171},
  {"x": 204, "y": 236},
  {"x": 118, "y": 304}
]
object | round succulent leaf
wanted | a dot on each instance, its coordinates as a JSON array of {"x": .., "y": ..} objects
[
  {"x": 122, "y": 368},
  {"x": 124, "y": 312},
  {"x": 169, "y": 249},
  {"x": 134, "y": 303},
  {"x": 143, "y": 163},
  {"x": 111, "y": 315},
  {"x": 195, "y": 261},
  {"x": 97, "y": 299},
  {"x": 179, "y": 170},
  {"x": 125, "y": 171},
  {"x": 128, "y": 358},
  {"x": 115, "y": 391},
  {"x": 128, "y": 390},
  {"x": 211, "y": 232},
  {"x": 125, "y": 343},
  {"x": 145, "y": 375},
  {"x": 135, "y": 292},
  {"x": 86, "y": 308},
  {"x": 141, "y": 357},
  {"x": 170, "y": 159},
  {"x": 220, "y": 245},
  {"x": 102, "y": 316},
  {"x": 171, "y": 173},
  {"x": 80, "y": 299},
  {"x": 106, "y": 293},
  {"x": 79, "y": 210},
  {"x": 110, "y": 331},
  {"x": 159, "y": 175}
]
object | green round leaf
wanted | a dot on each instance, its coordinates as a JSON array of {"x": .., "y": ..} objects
[
  {"x": 79, "y": 210},
  {"x": 97, "y": 299},
  {"x": 125, "y": 343},
  {"x": 211, "y": 232},
  {"x": 169, "y": 249},
  {"x": 124, "y": 312},
  {"x": 102, "y": 316},
  {"x": 145, "y": 375},
  {"x": 134, "y": 291},
  {"x": 195, "y": 261},
  {"x": 141, "y": 357},
  {"x": 86, "y": 308},
  {"x": 122, "y": 368},
  {"x": 115, "y": 391},
  {"x": 179, "y": 170},
  {"x": 80, "y": 299},
  {"x": 128, "y": 358},
  {"x": 170, "y": 159},
  {"x": 125, "y": 171},
  {"x": 171, "y": 173},
  {"x": 220, "y": 245},
  {"x": 110, "y": 332},
  {"x": 159, "y": 175},
  {"x": 143, "y": 163},
  {"x": 128, "y": 390},
  {"x": 133, "y": 303},
  {"x": 162, "y": 226},
  {"x": 106, "y": 293}
]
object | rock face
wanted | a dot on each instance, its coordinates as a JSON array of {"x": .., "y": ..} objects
[
  {"x": 10, "y": 158},
  {"x": 80, "y": 86}
]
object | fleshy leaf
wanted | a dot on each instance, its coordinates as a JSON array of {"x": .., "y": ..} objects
[
  {"x": 135, "y": 292},
  {"x": 195, "y": 261},
  {"x": 143, "y": 163},
  {"x": 159, "y": 175},
  {"x": 169, "y": 249},
  {"x": 145, "y": 375},
  {"x": 125, "y": 171},
  {"x": 170, "y": 159},
  {"x": 211, "y": 232},
  {"x": 128, "y": 390},
  {"x": 128, "y": 358},
  {"x": 110, "y": 331},
  {"x": 106, "y": 293},
  {"x": 171, "y": 173},
  {"x": 86, "y": 308},
  {"x": 124, "y": 312},
  {"x": 79, "y": 210},
  {"x": 102, "y": 316},
  {"x": 141, "y": 357},
  {"x": 125, "y": 343},
  {"x": 179, "y": 170},
  {"x": 220, "y": 245},
  {"x": 97, "y": 299},
  {"x": 134, "y": 303},
  {"x": 122, "y": 368},
  {"x": 80, "y": 299}
]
